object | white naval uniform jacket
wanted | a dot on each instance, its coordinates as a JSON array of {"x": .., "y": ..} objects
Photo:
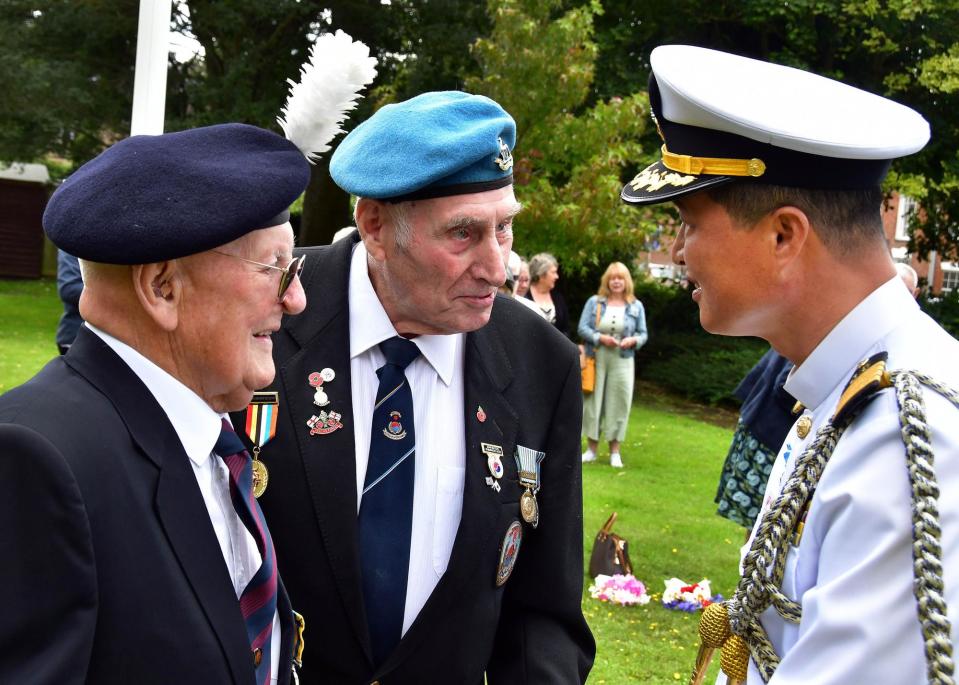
[{"x": 852, "y": 571}]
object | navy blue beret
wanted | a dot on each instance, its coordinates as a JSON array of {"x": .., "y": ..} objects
[
  {"x": 433, "y": 145},
  {"x": 151, "y": 198}
]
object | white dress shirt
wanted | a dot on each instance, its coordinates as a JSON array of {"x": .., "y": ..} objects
[
  {"x": 852, "y": 571},
  {"x": 198, "y": 428},
  {"x": 436, "y": 383}
]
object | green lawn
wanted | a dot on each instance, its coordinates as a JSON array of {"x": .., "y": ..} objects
[
  {"x": 673, "y": 453},
  {"x": 664, "y": 501},
  {"x": 29, "y": 311}
]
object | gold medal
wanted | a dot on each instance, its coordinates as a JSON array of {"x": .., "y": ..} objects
[
  {"x": 261, "y": 417},
  {"x": 529, "y": 508},
  {"x": 260, "y": 478}
]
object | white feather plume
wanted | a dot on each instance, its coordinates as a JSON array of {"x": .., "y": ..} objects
[{"x": 330, "y": 84}]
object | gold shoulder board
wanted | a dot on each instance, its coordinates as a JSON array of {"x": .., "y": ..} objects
[{"x": 869, "y": 378}]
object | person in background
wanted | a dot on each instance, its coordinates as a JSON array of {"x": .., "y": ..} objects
[
  {"x": 522, "y": 280},
  {"x": 544, "y": 273},
  {"x": 765, "y": 417},
  {"x": 69, "y": 287},
  {"x": 612, "y": 327},
  {"x": 136, "y": 549},
  {"x": 426, "y": 495},
  {"x": 909, "y": 277}
]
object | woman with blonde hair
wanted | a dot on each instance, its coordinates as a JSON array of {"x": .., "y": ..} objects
[{"x": 612, "y": 327}]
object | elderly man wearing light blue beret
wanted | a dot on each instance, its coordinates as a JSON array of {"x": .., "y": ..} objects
[{"x": 426, "y": 495}]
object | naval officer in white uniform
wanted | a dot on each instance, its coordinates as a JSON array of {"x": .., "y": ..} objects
[{"x": 776, "y": 175}]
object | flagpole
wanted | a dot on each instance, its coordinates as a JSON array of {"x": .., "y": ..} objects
[{"x": 149, "y": 84}]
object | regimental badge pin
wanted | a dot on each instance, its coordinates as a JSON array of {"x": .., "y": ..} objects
[
  {"x": 324, "y": 423},
  {"x": 261, "y": 416},
  {"x": 316, "y": 379},
  {"x": 394, "y": 429},
  {"x": 493, "y": 483},
  {"x": 480, "y": 415},
  {"x": 504, "y": 160},
  {"x": 508, "y": 552},
  {"x": 803, "y": 425},
  {"x": 528, "y": 463},
  {"x": 494, "y": 459}
]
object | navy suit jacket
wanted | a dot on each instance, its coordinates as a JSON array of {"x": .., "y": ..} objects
[
  {"x": 525, "y": 375},
  {"x": 112, "y": 571}
]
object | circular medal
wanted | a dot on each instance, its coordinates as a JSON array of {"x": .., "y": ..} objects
[
  {"x": 495, "y": 466},
  {"x": 260, "y": 478},
  {"x": 528, "y": 508},
  {"x": 327, "y": 374}
]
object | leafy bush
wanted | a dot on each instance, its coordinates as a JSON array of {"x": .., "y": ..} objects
[
  {"x": 945, "y": 310},
  {"x": 706, "y": 368}
]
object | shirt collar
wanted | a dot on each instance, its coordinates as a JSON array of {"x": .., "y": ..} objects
[
  {"x": 195, "y": 422},
  {"x": 370, "y": 325},
  {"x": 849, "y": 342}
]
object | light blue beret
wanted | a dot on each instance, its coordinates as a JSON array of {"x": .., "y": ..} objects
[
  {"x": 433, "y": 145},
  {"x": 150, "y": 198}
]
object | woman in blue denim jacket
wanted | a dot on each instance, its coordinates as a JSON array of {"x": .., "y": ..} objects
[{"x": 612, "y": 327}]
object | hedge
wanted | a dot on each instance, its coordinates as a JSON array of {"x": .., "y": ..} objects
[{"x": 680, "y": 356}]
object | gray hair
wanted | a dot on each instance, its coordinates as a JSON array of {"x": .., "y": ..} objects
[
  {"x": 398, "y": 215},
  {"x": 540, "y": 264}
]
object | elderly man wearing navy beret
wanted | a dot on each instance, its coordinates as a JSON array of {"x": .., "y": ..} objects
[
  {"x": 851, "y": 574},
  {"x": 425, "y": 491},
  {"x": 134, "y": 549}
]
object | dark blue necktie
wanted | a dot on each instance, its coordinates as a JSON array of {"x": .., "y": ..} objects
[
  {"x": 386, "y": 507},
  {"x": 258, "y": 600}
]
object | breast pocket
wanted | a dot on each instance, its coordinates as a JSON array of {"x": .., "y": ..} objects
[{"x": 446, "y": 518}]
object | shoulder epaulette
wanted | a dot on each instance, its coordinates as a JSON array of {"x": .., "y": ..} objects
[{"x": 869, "y": 378}]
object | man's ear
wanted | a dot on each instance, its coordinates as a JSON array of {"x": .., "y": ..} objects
[
  {"x": 791, "y": 232},
  {"x": 371, "y": 221},
  {"x": 158, "y": 287}
]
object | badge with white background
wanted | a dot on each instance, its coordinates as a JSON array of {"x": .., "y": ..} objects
[{"x": 494, "y": 459}]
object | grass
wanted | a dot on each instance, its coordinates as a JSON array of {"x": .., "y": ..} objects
[
  {"x": 29, "y": 311},
  {"x": 673, "y": 454},
  {"x": 664, "y": 502}
]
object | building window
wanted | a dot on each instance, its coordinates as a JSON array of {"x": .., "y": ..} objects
[
  {"x": 903, "y": 213},
  {"x": 950, "y": 276}
]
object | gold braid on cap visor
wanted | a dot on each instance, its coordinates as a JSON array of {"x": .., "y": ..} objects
[{"x": 716, "y": 166}]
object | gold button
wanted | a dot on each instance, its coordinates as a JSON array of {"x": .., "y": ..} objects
[
  {"x": 257, "y": 657},
  {"x": 803, "y": 426}
]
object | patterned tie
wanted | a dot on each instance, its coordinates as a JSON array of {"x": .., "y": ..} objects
[
  {"x": 258, "y": 601},
  {"x": 386, "y": 507}
]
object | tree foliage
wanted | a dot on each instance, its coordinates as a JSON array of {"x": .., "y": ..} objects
[
  {"x": 904, "y": 49},
  {"x": 569, "y": 158},
  {"x": 66, "y": 74},
  {"x": 572, "y": 72}
]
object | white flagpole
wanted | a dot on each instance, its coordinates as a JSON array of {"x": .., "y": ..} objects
[{"x": 149, "y": 83}]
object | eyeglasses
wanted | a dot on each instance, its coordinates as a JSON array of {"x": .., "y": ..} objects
[{"x": 287, "y": 273}]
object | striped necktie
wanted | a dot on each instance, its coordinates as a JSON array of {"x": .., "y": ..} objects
[
  {"x": 386, "y": 507},
  {"x": 258, "y": 600}
]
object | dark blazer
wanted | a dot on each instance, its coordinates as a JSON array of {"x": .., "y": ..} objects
[
  {"x": 112, "y": 572},
  {"x": 525, "y": 375}
]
